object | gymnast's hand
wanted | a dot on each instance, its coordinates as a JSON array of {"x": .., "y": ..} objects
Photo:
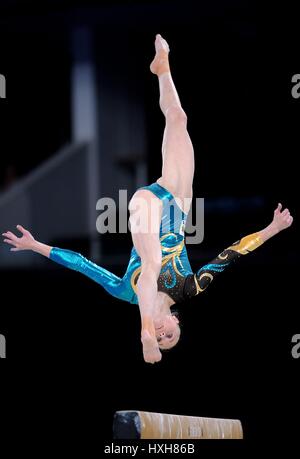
[
  {"x": 282, "y": 218},
  {"x": 151, "y": 350},
  {"x": 25, "y": 242}
]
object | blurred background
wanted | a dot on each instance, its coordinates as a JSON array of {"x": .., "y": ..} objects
[{"x": 81, "y": 121}]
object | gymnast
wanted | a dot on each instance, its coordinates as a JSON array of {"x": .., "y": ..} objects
[{"x": 159, "y": 274}]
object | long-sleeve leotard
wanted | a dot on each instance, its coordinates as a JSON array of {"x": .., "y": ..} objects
[
  {"x": 201, "y": 279},
  {"x": 175, "y": 263},
  {"x": 75, "y": 261},
  {"x": 176, "y": 276},
  {"x": 175, "y": 279}
]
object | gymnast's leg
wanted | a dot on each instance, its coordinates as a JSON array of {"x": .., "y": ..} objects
[{"x": 177, "y": 149}]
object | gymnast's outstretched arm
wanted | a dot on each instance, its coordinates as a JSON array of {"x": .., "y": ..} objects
[
  {"x": 205, "y": 275},
  {"x": 67, "y": 258}
]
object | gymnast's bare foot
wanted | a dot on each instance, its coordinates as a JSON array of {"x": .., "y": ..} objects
[
  {"x": 160, "y": 63},
  {"x": 151, "y": 350}
]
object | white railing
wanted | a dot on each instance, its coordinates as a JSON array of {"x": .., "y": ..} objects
[{"x": 53, "y": 202}]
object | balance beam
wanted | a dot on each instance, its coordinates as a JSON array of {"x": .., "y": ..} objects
[{"x": 144, "y": 425}]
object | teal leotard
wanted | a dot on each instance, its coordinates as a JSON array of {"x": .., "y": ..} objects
[
  {"x": 176, "y": 276},
  {"x": 175, "y": 263}
]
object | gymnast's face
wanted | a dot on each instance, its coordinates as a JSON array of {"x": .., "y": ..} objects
[{"x": 167, "y": 331}]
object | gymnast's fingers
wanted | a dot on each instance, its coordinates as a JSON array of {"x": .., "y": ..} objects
[
  {"x": 8, "y": 241},
  {"x": 10, "y": 235},
  {"x": 278, "y": 209},
  {"x": 22, "y": 229}
]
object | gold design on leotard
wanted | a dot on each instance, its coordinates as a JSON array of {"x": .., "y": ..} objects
[
  {"x": 197, "y": 282},
  {"x": 174, "y": 254},
  {"x": 247, "y": 244},
  {"x": 171, "y": 249},
  {"x": 223, "y": 257}
]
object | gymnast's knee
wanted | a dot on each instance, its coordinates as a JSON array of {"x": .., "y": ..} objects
[{"x": 175, "y": 114}]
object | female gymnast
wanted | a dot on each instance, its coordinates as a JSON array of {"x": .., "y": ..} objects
[{"x": 159, "y": 274}]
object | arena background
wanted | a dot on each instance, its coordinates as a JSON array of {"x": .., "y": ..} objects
[{"x": 74, "y": 353}]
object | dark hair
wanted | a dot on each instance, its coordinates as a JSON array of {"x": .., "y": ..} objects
[{"x": 175, "y": 313}]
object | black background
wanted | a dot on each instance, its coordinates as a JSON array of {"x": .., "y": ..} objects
[{"x": 73, "y": 353}]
